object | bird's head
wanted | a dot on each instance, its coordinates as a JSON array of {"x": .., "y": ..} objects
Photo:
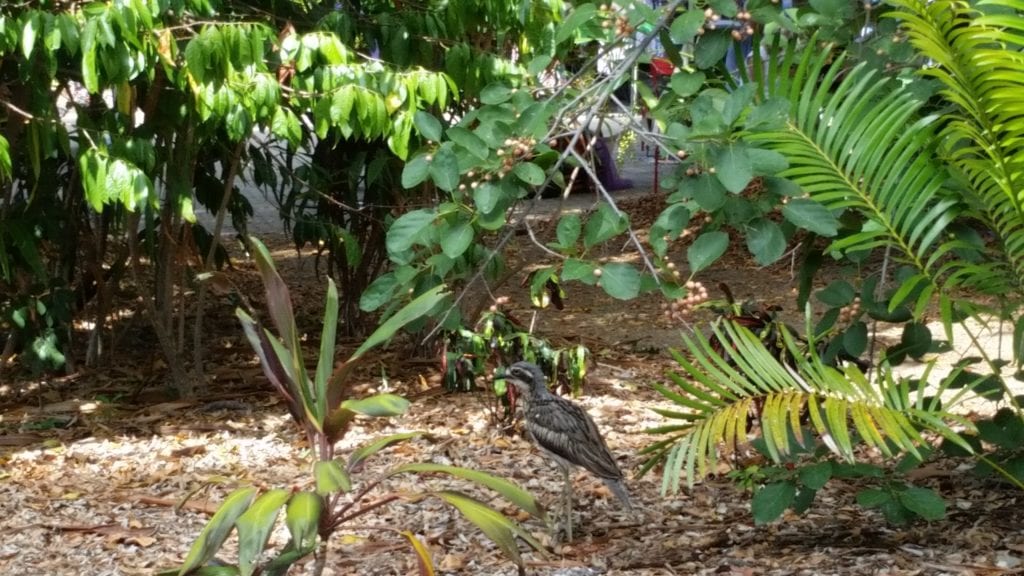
[{"x": 526, "y": 377}]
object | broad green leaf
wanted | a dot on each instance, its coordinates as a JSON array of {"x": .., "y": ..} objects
[
  {"x": 444, "y": 169},
  {"x": 768, "y": 115},
  {"x": 815, "y": 476},
  {"x": 325, "y": 363},
  {"x": 254, "y": 528},
  {"x": 873, "y": 497},
  {"x": 406, "y": 231},
  {"x": 363, "y": 452},
  {"x": 706, "y": 190},
  {"x": 494, "y": 94},
  {"x": 330, "y": 477},
  {"x": 765, "y": 241},
  {"x": 379, "y": 292},
  {"x": 575, "y": 269},
  {"x": 668, "y": 226},
  {"x": 492, "y": 523},
  {"x": 711, "y": 48},
  {"x": 686, "y": 83},
  {"x": 771, "y": 500},
  {"x": 470, "y": 141},
  {"x": 416, "y": 170},
  {"x": 766, "y": 162},
  {"x": 733, "y": 168},
  {"x": 411, "y": 311},
  {"x": 837, "y": 293},
  {"x": 568, "y": 230},
  {"x": 508, "y": 490},
  {"x": 486, "y": 197},
  {"x": 456, "y": 238},
  {"x": 217, "y": 530},
  {"x": 855, "y": 339},
  {"x": 620, "y": 280},
  {"x": 378, "y": 405},
  {"x": 684, "y": 28},
  {"x": 529, "y": 173},
  {"x": 810, "y": 215},
  {"x": 707, "y": 248},
  {"x": 579, "y": 16},
  {"x": 303, "y": 518},
  {"x": 603, "y": 225},
  {"x": 428, "y": 127},
  {"x": 924, "y": 502}
]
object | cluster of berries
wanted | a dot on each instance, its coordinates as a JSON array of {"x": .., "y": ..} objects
[{"x": 679, "y": 309}]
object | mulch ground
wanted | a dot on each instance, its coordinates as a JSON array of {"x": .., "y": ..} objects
[{"x": 102, "y": 472}]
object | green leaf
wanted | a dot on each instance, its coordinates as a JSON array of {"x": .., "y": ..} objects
[
  {"x": 416, "y": 170},
  {"x": 303, "y": 518},
  {"x": 486, "y": 197},
  {"x": 330, "y": 477},
  {"x": 378, "y": 405},
  {"x": 815, "y": 476},
  {"x": 254, "y": 528},
  {"x": 470, "y": 141},
  {"x": 668, "y": 226},
  {"x": 923, "y": 501},
  {"x": 873, "y": 497},
  {"x": 360, "y": 454},
  {"x": 494, "y": 94},
  {"x": 855, "y": 339},
  {"x": 278, "y": 298},
  {"x": 428, "y": 127},
  {"x": 706, "y": 190},
  {"x": 707, "y": 248},
  {"x": 568, "y": 230},
  {"x": 765, "y": 241},
  {"x": 620, "y": 280},
  {"x": 575, "y": 269},
  {"x": 810, "y": 215},
  {"x": 508, "y": 490},
  {"x": 406, "y": 231},
  {"x": 711, "y": 49},
  {"x": 766, "y": 162},
  {"x": 495, "y": 526},
  {"x": 733, "y": 168},
  {"x": 836, "y": 294},
  {"x": 410, "y": 312},
  {"x": 686, "y": 83},
  {"x": 444, "y": 169},
  {"x": 33, "y": 24},
  {"x": 579, "y": 16},
  {"x": 771, "y": 500},
  {"x": 603, "y": 225},
  {"x": 456, "y": 238},
  {"x": 768, "y": 115},
  {"x": 379, "y": 292},
  {"x": 217, "y": 530},
  {"x": 529, "y": 173},
  {"x": 684, "y": 28}
]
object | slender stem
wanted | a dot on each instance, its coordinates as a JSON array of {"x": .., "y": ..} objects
[{"x": 225, "y": 199}]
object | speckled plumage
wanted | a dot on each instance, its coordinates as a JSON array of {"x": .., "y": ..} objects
[{"x": 563, "y": 430}]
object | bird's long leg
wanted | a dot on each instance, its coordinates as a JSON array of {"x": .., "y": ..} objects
[{"x": 567, "y": 502}]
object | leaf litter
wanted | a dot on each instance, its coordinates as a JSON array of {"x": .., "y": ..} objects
[{"x": 105, "y": 487}]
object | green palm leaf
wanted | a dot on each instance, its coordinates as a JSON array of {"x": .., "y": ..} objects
[{"x": 843, "y": 408}]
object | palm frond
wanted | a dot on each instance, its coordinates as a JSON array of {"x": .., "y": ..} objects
[
  {"x": 844, "y": 409},
  {"x": 977, "y": 57},
  {"x": 856, "y": 140}
]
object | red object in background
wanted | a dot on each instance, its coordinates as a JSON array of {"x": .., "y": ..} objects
[{"x": 661, "y": 67}]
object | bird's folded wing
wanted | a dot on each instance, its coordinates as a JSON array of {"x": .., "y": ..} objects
[{"x": 566, "y": 430}]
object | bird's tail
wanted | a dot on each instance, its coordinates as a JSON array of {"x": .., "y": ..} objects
[{"x": 618, "y": 487}]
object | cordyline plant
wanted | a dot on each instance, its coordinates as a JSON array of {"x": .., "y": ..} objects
[{"x": 319, "y": 404}]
